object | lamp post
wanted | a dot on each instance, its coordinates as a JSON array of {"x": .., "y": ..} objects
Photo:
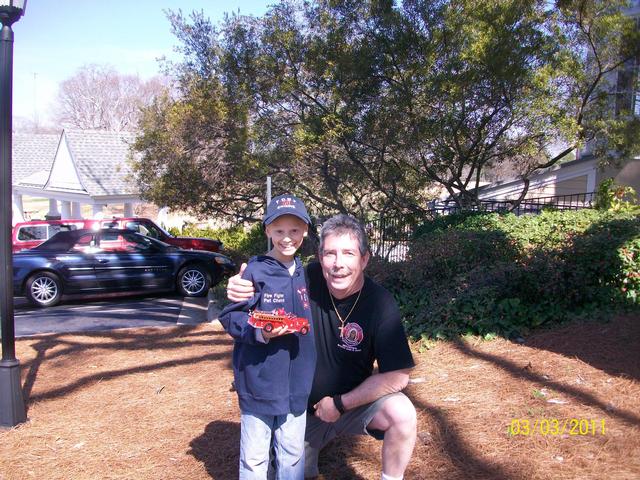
[{"x": 12, "y": 409}]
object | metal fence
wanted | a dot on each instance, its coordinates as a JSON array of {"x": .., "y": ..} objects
[
  {"x": 389, "y": 237},
  {"x": 574, "y": 201}
]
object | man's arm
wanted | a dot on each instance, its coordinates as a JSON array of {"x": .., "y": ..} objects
[{"x": 374, "y": 387}]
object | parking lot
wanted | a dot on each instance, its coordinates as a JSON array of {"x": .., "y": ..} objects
[{"x": 91, "y": 314}]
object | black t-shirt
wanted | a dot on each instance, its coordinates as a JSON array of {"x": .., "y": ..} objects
[{"x": 373, "y": 331}]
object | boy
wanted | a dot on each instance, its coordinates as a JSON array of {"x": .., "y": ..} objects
[{"x": 273, "y": 370}]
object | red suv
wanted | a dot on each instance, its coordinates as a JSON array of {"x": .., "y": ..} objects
[{"x": 30, "y": 234}]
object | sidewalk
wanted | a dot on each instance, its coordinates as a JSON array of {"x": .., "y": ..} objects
[{"x": 197, "y": 310}]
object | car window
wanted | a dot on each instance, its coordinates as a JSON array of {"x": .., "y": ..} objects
[
  {"x": 33, "y": 232},
  {"x": 143, "y": 228},
  {"x": 141, "y": 244},
  {"x": 152, "y": 230},
  {"x": 110, "y": 224},
  {"x": 84, "y": 244},
  {"x": 125, "y": 243},
  {"x": 110, "y": 241},
  {"x": 133, "y": 226},
  {"x": 65, "y": 227}
]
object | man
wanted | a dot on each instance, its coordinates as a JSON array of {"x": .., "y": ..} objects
[{"x": 356, "y": 322}]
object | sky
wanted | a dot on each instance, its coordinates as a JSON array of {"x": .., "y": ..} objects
[{"x": 55, "y": 38}]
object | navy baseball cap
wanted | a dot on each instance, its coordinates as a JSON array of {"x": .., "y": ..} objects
[{"x": 285, "y": 205}]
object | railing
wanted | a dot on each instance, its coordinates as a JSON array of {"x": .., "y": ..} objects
[
  {"x": 389, "y": 237},
  {"x": 574, "y": 201}
]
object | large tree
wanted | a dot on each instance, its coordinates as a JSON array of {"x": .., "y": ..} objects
[
  {"x": 363, "y": 106},
  {"x": 99, "y": 97}
]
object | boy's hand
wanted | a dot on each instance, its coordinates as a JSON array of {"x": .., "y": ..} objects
[
  {"x": 238, "y": 289},
  {"x": 276, "y": 332}
]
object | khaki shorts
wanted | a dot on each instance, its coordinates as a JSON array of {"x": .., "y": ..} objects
[{"x": 352, "y": 422}]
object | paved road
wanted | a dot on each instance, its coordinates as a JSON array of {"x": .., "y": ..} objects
[{"x": 104, "y": 314}]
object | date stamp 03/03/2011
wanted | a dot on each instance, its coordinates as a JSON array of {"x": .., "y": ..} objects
[{"x": 556, "y": 426}]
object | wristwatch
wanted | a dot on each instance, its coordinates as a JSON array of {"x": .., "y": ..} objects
[{"x": 337, "y": 401}]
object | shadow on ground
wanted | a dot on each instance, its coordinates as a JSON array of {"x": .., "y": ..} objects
[{"x": 58, "y": 346}]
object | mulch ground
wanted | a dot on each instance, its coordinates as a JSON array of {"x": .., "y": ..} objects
[{"x": 156, "y": 403}]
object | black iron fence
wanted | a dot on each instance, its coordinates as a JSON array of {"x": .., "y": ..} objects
[
  {"x": 389, "y": 237},
  {"x": 574, "y": 201}
]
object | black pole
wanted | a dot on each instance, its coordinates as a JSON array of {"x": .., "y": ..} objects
[{"x": 12, "y": 410}]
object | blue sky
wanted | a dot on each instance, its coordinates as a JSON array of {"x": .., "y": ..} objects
[{"x": 56, "y": 37}]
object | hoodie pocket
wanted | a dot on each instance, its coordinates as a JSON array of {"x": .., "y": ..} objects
[{"x": 268, "y": 379}]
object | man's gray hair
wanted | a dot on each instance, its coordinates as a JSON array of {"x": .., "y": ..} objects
[{"x": 342, "y": 224}]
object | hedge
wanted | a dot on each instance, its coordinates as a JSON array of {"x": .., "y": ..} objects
[{"x": 498, "y": 274}]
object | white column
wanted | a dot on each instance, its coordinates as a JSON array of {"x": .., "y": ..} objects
[
  {"x": 163, "y": 216},
  {"x": 76, "y": 210},
  {"x": 591, "y": 181},
  {"x": 66, "y": 209},
  {"x": 18, "y": 209},
  {"x": 97, "y": 211},
  {"x": 53, "y": 208},
  {"x": 128, "y": 209}
]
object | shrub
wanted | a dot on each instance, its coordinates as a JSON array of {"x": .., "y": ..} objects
[
  {"x": 619, "y": 198},
  {"x": 238, "y": 242},
  {"x": 499, "y": 273}
]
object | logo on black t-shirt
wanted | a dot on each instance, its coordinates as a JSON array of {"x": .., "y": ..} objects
[{"x": 351, "y": 337}]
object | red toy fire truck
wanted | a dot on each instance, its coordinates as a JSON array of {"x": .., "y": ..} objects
[{"x": 277, "y": 317}]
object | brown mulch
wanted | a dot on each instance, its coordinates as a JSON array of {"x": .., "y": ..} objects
[{"x": 155, "y": 403}]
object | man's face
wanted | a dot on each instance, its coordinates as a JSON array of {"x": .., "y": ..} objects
[{"x": 343, "y": 265}]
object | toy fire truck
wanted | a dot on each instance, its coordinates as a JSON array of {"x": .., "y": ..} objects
[{"x": 277, "y": 317}]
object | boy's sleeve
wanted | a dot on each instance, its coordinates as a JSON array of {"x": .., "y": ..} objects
[{"x": 234, "y": 318}]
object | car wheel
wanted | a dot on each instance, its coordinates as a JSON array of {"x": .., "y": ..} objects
[
  {"x": 267, "y": 327},
  {"x": 44, "y": 289},
  {"x": 304, "y": 330},
  {"x": 193, "y": 281}
]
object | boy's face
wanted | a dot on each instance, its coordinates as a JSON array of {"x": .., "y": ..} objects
[{"x": 286, "y": 234}]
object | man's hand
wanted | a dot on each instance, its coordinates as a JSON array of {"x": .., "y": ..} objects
[
  {"x": 238, "y": 289},
  {"x": 326, "y": 410}
]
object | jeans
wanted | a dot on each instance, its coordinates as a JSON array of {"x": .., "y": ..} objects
[{"x": 256, "y": 432}]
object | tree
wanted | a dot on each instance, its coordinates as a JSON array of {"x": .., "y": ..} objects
[
  {"x": 502, "y": 81},
  {"x": 98, "y": 97},
  {"x": 363, "y": 107}
]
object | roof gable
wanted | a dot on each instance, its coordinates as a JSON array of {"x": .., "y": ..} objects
[
  {"x": 63, "y": 174},
  {"x": 101, "y": 159}
]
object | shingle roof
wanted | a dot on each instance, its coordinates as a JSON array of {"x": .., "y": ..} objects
[
  {"x": 102, "y": 160},
  {"x": 32, "y": 153}
]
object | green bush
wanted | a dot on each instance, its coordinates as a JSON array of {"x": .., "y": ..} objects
[
  {"x": 495, "y": 273},
  {"x": 238, "y": 243},
  {"x": 618, "y": 198}
]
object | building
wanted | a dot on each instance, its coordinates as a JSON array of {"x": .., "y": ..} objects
[
  {"x": 583, "y": 175},
  {"x": 72, "y": 169}
]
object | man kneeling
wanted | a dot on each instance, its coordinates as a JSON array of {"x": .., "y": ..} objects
[{"x": 356, "y": 322}]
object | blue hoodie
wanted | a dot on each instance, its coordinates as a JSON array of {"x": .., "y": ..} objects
[{"x": 273, "y": 378}]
